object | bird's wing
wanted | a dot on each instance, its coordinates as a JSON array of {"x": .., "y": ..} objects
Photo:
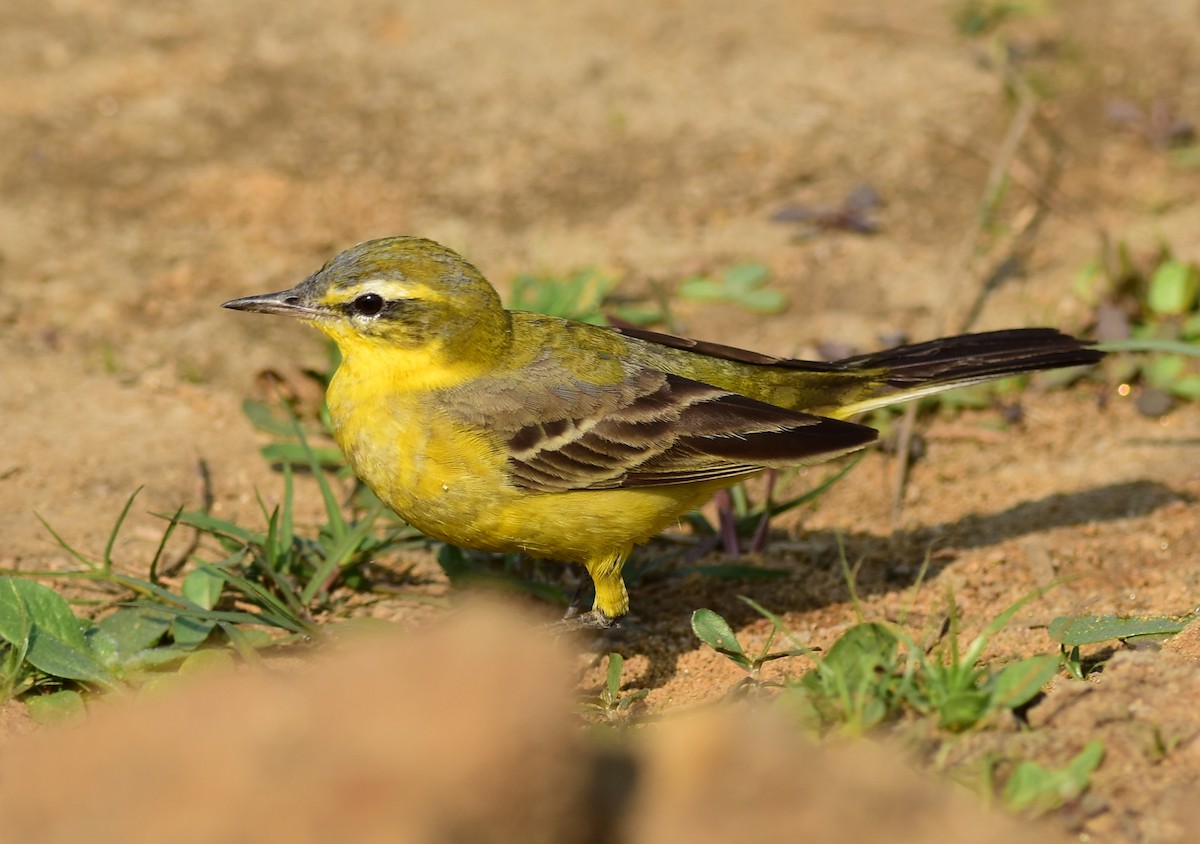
[{"x": 650, "y": 429}]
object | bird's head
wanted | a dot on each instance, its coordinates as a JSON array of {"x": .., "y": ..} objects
[{"x": 397, "y": 294}]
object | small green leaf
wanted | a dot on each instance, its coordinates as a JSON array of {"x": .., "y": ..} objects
[
  {"x": 160, "y": 657},
  {"x": 763, "y": 301},
  {"x": 1036, "y": 790},
  {"x": 1190, "y": 330},
  {"x": 961, "y": 708},
  {"x": 15, "y": 623},
  {"x": 701, "y": 289},
  {"x": 1187, "y": 157},
  {"x": 47, "y": 632},
  {"x": 1187, "y": 387},
  {"x": 134, "y": 628},
  {"x": 644, "y": 315},
  {"x": 613, "y": 681},
  {"x": 855, "y": 682},
  {"x": 742, "y": 284},
  {"x": 1017, "y": 684},
  {"x": 1087, "y": 283},
  {"x": 1164, "y": 370},
  {"x": 715, "y": 632},
  {"x": 577, "y": 297},
  {"x": 64, "y": 659},
  {"x": 188, "y": 632},
  {"x": 262, "y": 416},
  {"x": 1089, "y": 629},
  {"x": 746, "y": 276},
  {"x": 50, "y": 612},
  {"x": 1173, "y": 288},
  {"x": 207, "y": 660},
  {"x": 203, "y": 587},
  {"x": 104, "y": 648},
  {"x": 64, "y": 707},
  {"x": 860, "y": 650}
]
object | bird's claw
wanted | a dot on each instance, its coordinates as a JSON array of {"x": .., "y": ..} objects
[{"x": 591, "y": 620}]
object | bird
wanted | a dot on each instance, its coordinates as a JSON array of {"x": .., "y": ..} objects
[{"x": 507, "y": 431}]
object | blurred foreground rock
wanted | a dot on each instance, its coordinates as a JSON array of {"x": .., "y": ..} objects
[{"x": 463, "y": 733}]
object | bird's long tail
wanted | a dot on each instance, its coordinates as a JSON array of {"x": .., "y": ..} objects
[{"x": 921, "y": 369}]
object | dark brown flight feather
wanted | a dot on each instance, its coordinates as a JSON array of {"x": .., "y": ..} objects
[{"x": 672, "y": 430}]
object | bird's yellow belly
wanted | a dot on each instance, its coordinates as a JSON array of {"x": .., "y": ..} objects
[{"x": 451, "y": 483}]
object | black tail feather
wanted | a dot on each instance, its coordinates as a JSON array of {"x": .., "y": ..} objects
[{"x": 974, "y": 357}]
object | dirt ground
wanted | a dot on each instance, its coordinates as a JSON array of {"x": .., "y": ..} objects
[{"x": 159, "y": 160}]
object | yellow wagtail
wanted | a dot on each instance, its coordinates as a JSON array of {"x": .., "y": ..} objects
[{"x": 509, "y": 431}]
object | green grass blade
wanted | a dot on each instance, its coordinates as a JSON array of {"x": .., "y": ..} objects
[
  {"x": 1175, "y": 347},
  {"x": 341, "y": 553},
  {"x": 66, "y": 546},
  {"x": 333, "y": 512},
  {"x": 287, "y": 527},
  {"x": 283, "y": 586},
  {"x": 778, "y": 627},
  {"x": 162, "y": 544},
  {"x": 819, "y": 490},
  {"x": 975, "y": 651},
  {"x": 242, "y": 643},
  {"x": 112, "y": 536},
  {"x": 273, "y": 610},
  {"x": 287, "y": 454},
  {"x": 219, "y": 527},
  {"x": 227, "y": 616}
]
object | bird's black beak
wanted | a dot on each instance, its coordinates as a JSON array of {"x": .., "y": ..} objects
[{"x": 286, "y": 302}]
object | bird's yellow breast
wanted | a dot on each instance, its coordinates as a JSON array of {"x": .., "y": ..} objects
[{"x": 430, "y": 471}]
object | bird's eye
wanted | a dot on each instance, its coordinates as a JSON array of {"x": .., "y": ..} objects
[{"x": 368, "y": 304}]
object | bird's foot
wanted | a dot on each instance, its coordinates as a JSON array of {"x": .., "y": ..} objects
[{"x": 575, "y": 620}]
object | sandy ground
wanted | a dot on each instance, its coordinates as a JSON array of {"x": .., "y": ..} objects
[{"x": 158, "y": 161}]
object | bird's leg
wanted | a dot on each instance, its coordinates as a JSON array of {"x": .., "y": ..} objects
[
  {"x": 759, "y": 542},
  {"x": 584, "y": 596},
  {"x": 612, "y": 601},
  {"x": 726, "y": 523}
]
